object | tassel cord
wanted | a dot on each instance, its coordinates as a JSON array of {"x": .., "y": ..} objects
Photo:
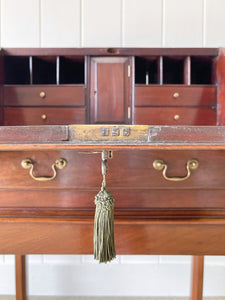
[{"x": 103, "y": 182}]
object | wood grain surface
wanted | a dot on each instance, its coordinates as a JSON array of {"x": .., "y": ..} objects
[
  {"x": 55, "y": 95},
  {"x": 164, "y": 95},
  {"x": 75, "y": 236}
]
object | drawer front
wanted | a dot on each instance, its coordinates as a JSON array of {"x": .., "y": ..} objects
[
  {"x": 125, "y": 200},
  {"x": 44, "y": 95},
  {"x": 175, "y": 116},
  {"x": 132, "y": 170},
  {"x": 166, "y": 237},
  {"x": 43, "y": 116},
  {"x": 136, "y": 186},
  {"x": 175, "y": 96}
]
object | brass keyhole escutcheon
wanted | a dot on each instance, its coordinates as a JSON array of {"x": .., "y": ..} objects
[
  {"x": 161, "y": 165},
  {"x": 60, "y": 164}
]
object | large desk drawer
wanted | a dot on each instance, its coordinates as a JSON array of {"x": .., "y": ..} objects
[
  {"x": 136, "y": 185},
  {"x": 131, "y": 170}
]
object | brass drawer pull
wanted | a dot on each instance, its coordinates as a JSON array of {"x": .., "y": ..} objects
[
  {"x": 44, "y": 117},
  {"x": 60, "y": 163},
  {"x": 42, "y": 95},
  {"x": 176, "y": 117},
  {"x": 176, "y": 95},
  {"x": 160, "y": 164}
]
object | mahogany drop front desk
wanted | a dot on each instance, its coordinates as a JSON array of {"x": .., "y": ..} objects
[{"x": 158, "y": 112}]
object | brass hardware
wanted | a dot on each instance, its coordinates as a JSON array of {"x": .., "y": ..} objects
[
  {"x": 128, "y": 71},
  {"x": 160, "y": 164},
  {"x": 60, "y": 164},
  {"x": 42, "y": 95},
  {"x": 104, "y": 162},
  {"x": 103, "y": 133},
  {"x": 116, "y": 131},
  {"x": 44, "y": 117},
  {"x": 176, "y": 117},
  {"x": 176, "y": 95},
  {"x": 109, "y": 153},
  {"x": 128, "y": 112},
  {"x": 112, "y": 50}
]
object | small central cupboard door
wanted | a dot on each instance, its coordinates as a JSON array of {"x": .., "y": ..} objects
[{"x": 110, "y": 90}]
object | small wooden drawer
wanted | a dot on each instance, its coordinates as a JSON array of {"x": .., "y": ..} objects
[
  {"x": 175, "y": 116},
  {"x": 44, "y": 95},
  {"x": 43, "y": 116},
  {"x": 175, "y": 95}
]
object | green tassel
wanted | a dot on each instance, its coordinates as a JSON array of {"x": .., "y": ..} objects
[{"x": 104, "y": 245}]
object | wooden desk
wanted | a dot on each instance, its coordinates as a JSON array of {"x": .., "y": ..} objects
[
  {"x": 153, "y": 215},
  {"x": 126, "y": 86}
]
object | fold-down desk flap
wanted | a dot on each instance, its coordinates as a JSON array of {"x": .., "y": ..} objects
[
  {"x": 112, "y": 137},
  {"x": 33, "y": 134}
]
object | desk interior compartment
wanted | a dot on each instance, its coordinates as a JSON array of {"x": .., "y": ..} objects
[
  {"x": 17, "y": 70},
  {"x": 44, "y": 70},
  {"x": 203, "y": 70},
  {"x": 146, "y": 70},
  {"x": 72, "y": 70}
]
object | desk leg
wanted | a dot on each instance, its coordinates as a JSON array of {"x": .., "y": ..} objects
[
  {"x": 197, "y": 277},
  {"x": 21, "y": 277}
]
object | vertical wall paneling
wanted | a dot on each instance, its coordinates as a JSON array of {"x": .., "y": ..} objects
[
  {"x": 173, "y": 259},
  {"x": 122, "y": 13},
  {"x": 102, "y": 23},
  {"x": 9, "y": 259},
  {"x": 2, "y": 259},
  {"x": 60, "y": 23},
  {"x": 214, "y": 23},
  {"x": 61, "y": 259},
  {"x": 183, "y": 23},
  {"x": 34, "y": 259},
  {"x": 142, "y": 23},
  {"x": 139, "y": 259},
  {"x": 19, "y": 23},
  {"x": 203, "y": 22},
  {"x": 163, "y": 23},
  {"x": 105, "y": 23},
  {"x": 81, "y": 24},
  {"x": 0, "y": 24}
]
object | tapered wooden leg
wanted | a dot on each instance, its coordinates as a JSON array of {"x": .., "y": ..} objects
[
  {"x": 197, "y": 277},
  {"x": 21, "y": 277}
]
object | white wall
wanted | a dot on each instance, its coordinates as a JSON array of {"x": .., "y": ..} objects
[{"x": 104, "y": 23}]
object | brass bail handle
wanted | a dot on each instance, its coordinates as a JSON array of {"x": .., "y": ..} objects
[
  {"x": 160, "y": 164},
  {"x": 60, "y": 163}
]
